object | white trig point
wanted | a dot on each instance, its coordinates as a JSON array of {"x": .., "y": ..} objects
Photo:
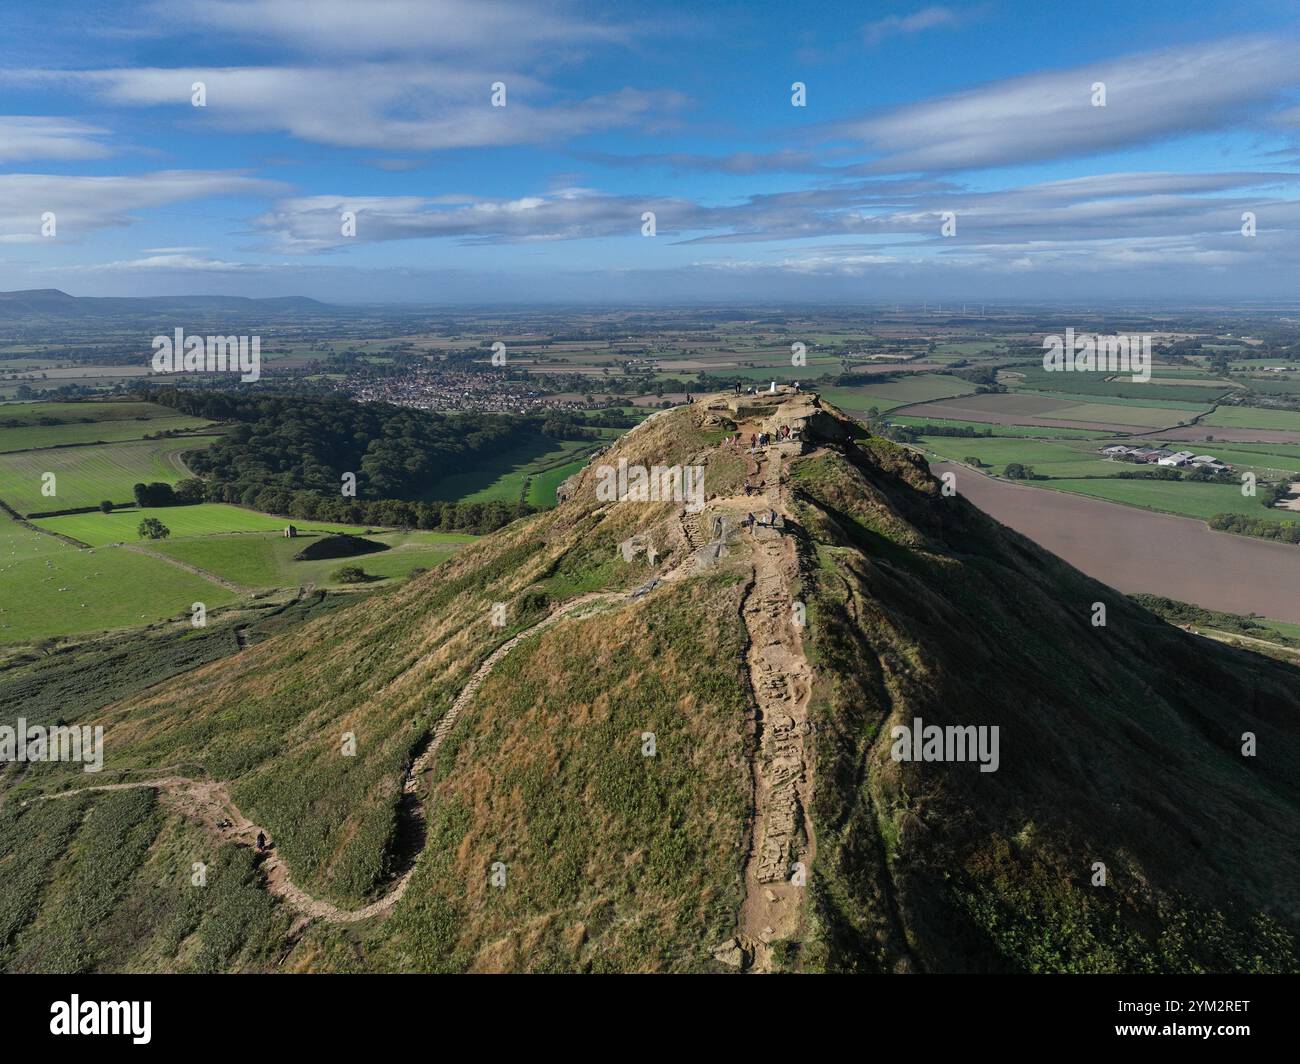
[{"x": 772, "y": 390}]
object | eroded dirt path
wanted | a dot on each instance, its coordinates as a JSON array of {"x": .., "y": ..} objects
[{"x": 781, "y": 843}]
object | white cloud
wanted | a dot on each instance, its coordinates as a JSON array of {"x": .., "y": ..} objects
[
  {"x": 927, "y": 18},
  {"x": 1149, "y": 97},
  {"x": 472, "y": 32},
  {"x": 1090, "y": 208},
  {"x": 84, "y": 204},
  {"x": 410, "y": 106},
  {"x": 45, "y": 137}
]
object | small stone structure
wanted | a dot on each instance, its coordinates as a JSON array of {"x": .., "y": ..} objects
[{"x": 637, "y": 544}]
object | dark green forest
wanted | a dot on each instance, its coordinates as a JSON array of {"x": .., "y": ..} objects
[{"x": 288, "y": 455}]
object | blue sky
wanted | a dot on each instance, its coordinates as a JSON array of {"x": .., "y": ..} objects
[{"x": 384, "y": 109}]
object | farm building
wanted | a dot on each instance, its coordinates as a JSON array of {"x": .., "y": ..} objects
[{"x": 1178, "y": 458}]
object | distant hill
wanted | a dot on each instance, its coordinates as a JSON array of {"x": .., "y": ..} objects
[{"x": 51, "y": 302}]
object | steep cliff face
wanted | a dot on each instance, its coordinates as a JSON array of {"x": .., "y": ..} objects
[{"x": 659, "y": 732}]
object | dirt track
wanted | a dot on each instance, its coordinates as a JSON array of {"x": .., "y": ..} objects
[{"x": 1140, "y": 551}]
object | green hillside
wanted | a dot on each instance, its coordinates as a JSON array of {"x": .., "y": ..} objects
[{"x": 543, "y": 756}]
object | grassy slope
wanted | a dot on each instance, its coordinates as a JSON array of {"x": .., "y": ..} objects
[
  {"x": 1119, "y": 744},
  {"x": 85, "y": 476}
]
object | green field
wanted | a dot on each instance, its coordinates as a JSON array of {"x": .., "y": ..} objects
[
  {"x": 48, "y": 588},
  {"x": 66, "y": 413},
  {"x": 1254, "y": 417},
  {"x": 1033, "y": 431},
  {"x": 1048, "y": 459},
  {"x": 84, "y": 476},
  {"x": 1154, "y": 415},
  {"x": 263, "y": 561},
  {"x": 1170, "y": 496},
  {"x": 917, "y": 388},
  {"x": 1266, "y": 459},
  {"x": 29, "y": 437},
  {"x": 541, "y": 488},
  {"x": 1077, "y": 385},
  {"x": 203, "y": 519},
  {"x": 506, "y": 478}
]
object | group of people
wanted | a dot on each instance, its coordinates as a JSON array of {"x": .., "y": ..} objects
[
  {"x": 759, "y": 440},
  {"x": 767, "y": 520}
]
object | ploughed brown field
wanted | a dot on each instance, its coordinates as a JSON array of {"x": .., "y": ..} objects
[
  {"x": 1221, "y": 434},
  {"x": 1140, "y": 551}
]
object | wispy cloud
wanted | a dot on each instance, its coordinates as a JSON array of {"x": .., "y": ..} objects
[
  {"x": 472, "y": 32},
  {"x": 378, "y": 106},
  {"x": 43, "y": 137},
  {"x": 1150, "y": 97},
  {"x": 1093, "y": 208},
  {"x": 927, "y": 18},
  {"x": 83, "y": 205}
]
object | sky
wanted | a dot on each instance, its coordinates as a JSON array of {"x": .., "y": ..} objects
[{"x": 510, "y": 151}]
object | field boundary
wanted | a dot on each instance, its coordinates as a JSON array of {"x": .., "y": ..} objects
[
  {"x": 20, "y": 519},
  {"x": 206, "y": 574}
]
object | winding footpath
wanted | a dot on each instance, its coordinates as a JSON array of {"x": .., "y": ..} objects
[{"x": 210, "y": 803}]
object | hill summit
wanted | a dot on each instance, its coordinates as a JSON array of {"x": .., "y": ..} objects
[{"x": 759, "y": 694}]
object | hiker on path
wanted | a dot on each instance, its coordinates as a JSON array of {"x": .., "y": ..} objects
[{"x": 261, "y": 841}]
